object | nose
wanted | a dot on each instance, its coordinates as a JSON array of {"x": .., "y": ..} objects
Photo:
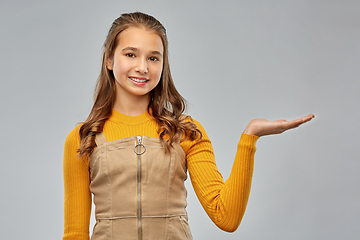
[{"x": 142, "y": 66}]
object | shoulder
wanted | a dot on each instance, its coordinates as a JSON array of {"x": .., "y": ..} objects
[
  {"x": 201, "y": 144},
  {"x": 189, "y": 119},
  {"x": 200, "y": 138},
  {"x": 72, "y": 164},
  {"x": 73, "y": 138},
  {"x": 197, "y": 124}
]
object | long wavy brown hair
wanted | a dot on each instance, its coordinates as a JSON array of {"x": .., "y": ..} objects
[{"x": 166, "y": 105}]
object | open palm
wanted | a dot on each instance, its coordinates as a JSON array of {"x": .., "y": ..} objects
[{"x": 261, "y": 127}]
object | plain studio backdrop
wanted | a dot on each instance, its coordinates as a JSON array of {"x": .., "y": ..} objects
[{"x": 233, "y": 61}]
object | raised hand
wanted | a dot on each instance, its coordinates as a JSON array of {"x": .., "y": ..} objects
[{"x": 261, "y": 127}]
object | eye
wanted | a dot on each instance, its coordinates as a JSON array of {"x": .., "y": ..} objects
[
  {"x": 130, "y": 55},
  {"x": 154, "y": 59}
]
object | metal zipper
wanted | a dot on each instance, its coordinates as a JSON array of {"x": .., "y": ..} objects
[{"x": 138, "y": 151}]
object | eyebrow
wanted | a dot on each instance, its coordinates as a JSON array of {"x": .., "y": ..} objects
[{"x": 135, "y": 50}]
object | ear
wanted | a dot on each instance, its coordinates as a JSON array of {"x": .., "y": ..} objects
[{"x": 109, "y": 63}]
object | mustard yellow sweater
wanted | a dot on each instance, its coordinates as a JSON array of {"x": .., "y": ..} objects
[{"x": 225, "y": 203}]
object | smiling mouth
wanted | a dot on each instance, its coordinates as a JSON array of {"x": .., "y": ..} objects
[{"x": 139, "y": 80}]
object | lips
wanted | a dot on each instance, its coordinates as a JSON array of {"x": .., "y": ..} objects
[{"x": 139, "y": 81}]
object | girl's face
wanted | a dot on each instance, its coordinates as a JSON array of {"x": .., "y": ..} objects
[{"x": 137, "y": 62}]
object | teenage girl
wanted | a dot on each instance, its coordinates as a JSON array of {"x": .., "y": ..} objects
[{"x": 135, "y": 148}]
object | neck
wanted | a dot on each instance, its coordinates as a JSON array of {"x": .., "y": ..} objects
[{"x": 132, "y": 105}]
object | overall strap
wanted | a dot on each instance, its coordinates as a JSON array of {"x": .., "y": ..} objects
[
  {"x": 180, "y": 133},
  {"x": 100, "y": 139}
]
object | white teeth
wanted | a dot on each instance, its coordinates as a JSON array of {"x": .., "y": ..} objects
[{"x": 138, "y": 80}]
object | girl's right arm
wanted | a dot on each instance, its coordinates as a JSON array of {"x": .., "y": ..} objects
[{"x": 77, "y": 204}]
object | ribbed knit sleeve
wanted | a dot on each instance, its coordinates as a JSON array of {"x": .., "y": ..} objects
[
  {"x": 225, "y": 203},
  {"x": 77, "y": 204}
]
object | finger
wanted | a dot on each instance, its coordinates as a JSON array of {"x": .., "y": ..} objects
[
  {"x": 308, "y": 117},
  {"x": 291, "y": 126},
  {"x": 297, "y": 122},
  {"x": 295, "y": 126},
  {"x": 304, "y": 119}
]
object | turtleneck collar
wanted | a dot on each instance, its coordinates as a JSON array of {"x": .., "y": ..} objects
[{"x": 129, "y": 120}]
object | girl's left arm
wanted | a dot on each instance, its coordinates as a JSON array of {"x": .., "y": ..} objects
[{"x": 224, "y": 202}]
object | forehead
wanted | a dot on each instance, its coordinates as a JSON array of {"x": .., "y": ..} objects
[{"x": 140, "y": 38}]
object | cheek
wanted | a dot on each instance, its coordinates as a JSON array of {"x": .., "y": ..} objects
[
  {"x": 121, "y": 67},
  {"x": 158, "y": 73}
]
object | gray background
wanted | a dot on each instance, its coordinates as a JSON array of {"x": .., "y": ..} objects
[{"x": 233, "y": 61}]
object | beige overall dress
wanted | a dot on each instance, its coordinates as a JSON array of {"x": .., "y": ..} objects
[{"x": 138, "y": 189}]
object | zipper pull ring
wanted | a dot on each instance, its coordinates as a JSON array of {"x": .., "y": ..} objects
[{"x": 137, "y": 148}]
